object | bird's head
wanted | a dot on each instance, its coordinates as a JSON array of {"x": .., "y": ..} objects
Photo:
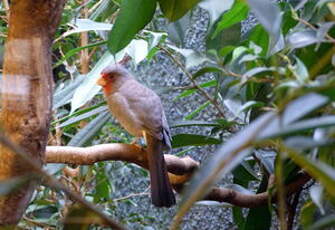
[{"x": 112, "y": 77}]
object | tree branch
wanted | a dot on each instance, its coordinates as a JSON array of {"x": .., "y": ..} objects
[{"x": 180, "y": 170}]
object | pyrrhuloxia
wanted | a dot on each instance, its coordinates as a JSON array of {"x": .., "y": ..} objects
[{"x": 139, "y": 110}]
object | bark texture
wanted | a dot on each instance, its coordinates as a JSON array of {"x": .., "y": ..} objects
[{"x": 26, "y": 95}]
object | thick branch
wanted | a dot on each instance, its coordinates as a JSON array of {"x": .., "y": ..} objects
[{"x": 180, "y": 170}]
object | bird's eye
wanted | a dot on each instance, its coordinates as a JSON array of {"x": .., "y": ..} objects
[{"x": 107, "y": 76}]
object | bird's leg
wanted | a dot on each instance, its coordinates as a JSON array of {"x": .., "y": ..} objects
[
  {"x": 145, "y": 137},
  {"x": 144, "y": 134},
  {"x": 136, "y": 141}
]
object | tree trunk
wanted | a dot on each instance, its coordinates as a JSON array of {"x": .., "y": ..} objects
[{"x": 26, "y": 95}]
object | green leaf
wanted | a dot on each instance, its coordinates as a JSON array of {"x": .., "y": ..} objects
[
  {"x": 302, "y": 38},
  {"x": 156, "y": 38},
  {"x": 307, "y": 214},
  {"x": 177, "y": 30},
  {"x": 193, "y": 58},
  {"x": 102, "y": 185},
  {"x": 197, "y": 110},
  {"x": 259, "y": 217},
  {"x": 288, "y": 22},
  {"x": 279, "y": 130},
  {"x": 238, "y": 217},
  {"x": 317, "y": 195},
  {"x": 300, "y": 71},
  {"x": 226, "y": 50},
  {"x": 79, "y": 218},
  {"x": 175, "y": 9},
  {"x": 76, "y": 50},
  {"x": 189, "y": 92},
  {"x": 138, "y": 50},
  {"x": 266, "y": 159},
  {"x": 324, "y": 29},
  {"x": 326, "y": 222},
  {"x": 294, "y": 111},
  {"x": 228, "y": 36},
  {"x": 207, "y": 69},
  {"x": 75, "y": 114},
  {"x": 243, "y": 174},
  {"x": 63, "y": 96},
  {"x": 90, "y": 130},
  {"x": 134, "y": 15},
  {"x": 236, "y": 14},
  {"x": 251, "y": 104},
  {"x": 303, "y": 143},
  {"x": 83, "y": 116},
  {"x": 215, "y": 8},
  {"x": 320, "y": 3},
  {"x": 84, "y": 25},
  {"x": 104, "y": 10},
  {"x": 254, "y": 71},
  {"x": 260, "y": 37},
  {"x": 181, "y": 140},
  {"x": 269, "y": 15},
  {"x": 318, "y": 170},
  {"x": 303, "y": 106}
]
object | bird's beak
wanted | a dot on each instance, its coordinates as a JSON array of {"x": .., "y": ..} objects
[{"x": 101, "y": 81}]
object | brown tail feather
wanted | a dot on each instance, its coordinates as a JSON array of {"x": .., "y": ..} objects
[{"x": 161, "y": 191}]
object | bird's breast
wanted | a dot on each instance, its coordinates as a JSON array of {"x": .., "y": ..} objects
[{"x": 125, "y": 114}]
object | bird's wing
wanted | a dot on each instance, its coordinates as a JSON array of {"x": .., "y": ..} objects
[
  {"x": 146, "y": 105},
  {"x": 166, "y": 132}
]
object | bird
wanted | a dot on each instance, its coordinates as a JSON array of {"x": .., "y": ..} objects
[{"x": 140, "y": 112}]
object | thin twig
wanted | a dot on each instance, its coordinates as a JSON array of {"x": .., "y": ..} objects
[
  {"x": 230, "y": 73},
  {"x": 130, "y": 196},
  {"x": 281, "y": 192},
  {"x": 194, "y": 83},
  {"x": 84, "y": 55},
  {"x": 52, "y": 182}
]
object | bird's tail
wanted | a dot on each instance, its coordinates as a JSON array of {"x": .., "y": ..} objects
[{"x": 161, "y": 190}]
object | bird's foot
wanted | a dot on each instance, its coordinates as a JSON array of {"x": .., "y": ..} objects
[{"x": 136, "y": 142}]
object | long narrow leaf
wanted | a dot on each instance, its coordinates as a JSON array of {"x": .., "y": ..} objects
[
  {"x": 317, "y": 169},
  {"x": 90, "y": 130},
  {"x": 307, "y": 124},
  {"x": 83, "y": 116},
  {"x": 181, "y": 140}
]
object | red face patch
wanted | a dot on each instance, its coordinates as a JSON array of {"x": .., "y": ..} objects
[{"x": 106, "y": 81}]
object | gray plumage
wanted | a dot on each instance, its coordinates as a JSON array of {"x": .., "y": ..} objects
[{"x": 139, "y": 110}]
